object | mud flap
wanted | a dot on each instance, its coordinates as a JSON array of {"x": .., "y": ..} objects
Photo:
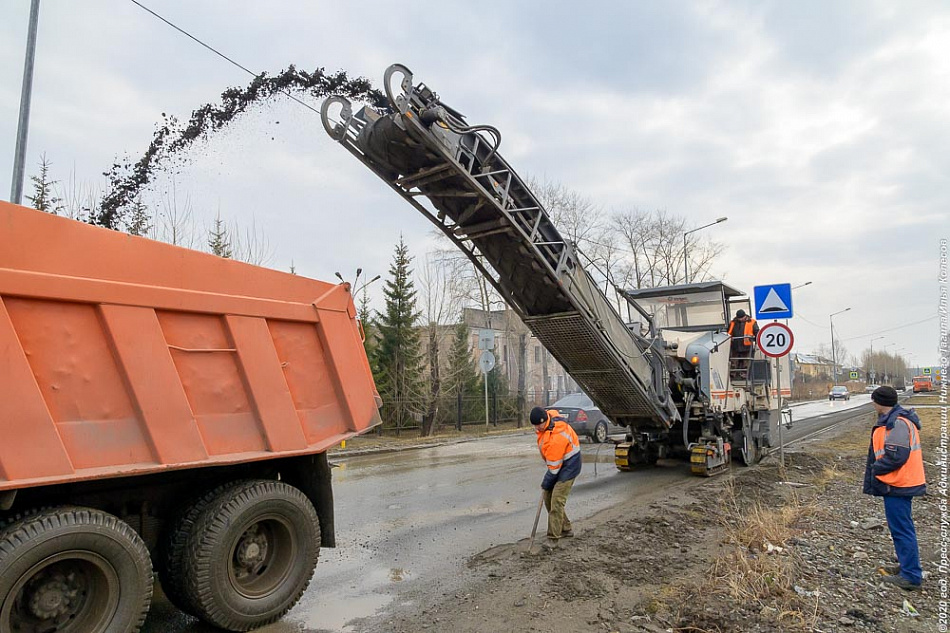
[{"x": 311, "y": 474}]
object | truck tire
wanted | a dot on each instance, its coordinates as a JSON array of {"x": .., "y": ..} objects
[
  {"x": 173, "y": 548},
  {"x": 250, "y": 554},
  {"x": 73, "y": 570}
]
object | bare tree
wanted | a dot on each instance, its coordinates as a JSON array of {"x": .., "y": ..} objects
[
  {"x": 251, "y": 244},
  {"x": 576, "y": 216},
  {"x": 176, "y": 224},
  {"x": 655, "y": 248},
  {"x": 438, "y": 294}
]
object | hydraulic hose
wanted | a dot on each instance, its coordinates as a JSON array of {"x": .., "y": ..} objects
[{"x": 689, "y": 401}]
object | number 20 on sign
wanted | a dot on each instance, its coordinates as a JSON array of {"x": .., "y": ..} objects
[{"x": 775, "y": 340}]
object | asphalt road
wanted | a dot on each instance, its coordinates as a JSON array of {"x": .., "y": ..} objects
[{"x": 407, "y": 521}]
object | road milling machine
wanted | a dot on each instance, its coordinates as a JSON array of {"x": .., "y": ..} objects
[{"x": 663, "y": 370}]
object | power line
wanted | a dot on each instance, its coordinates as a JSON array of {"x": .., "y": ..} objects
[
  {"x": 930, "y": 318},
  {"x": 217, "y": 52}
]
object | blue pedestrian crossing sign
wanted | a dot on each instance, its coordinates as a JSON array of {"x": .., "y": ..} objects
[{"x": 773, "y": 301}]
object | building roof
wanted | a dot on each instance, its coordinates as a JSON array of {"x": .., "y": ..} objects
[{"x": 682, "y": 289}]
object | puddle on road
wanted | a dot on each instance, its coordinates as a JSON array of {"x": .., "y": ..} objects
[{"x": 334, "y": 610}]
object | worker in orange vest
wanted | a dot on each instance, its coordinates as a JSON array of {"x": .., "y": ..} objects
[
  {"x": 561, "y": 451},
  {"x": 895, "y": 471},
  {"x": 743, "y": 330}
]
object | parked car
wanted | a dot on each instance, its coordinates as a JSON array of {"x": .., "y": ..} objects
[
  {"x": 585, "y": 418},
  {"x": 839, "y": 393},
  {"x": 870, "y": 388}
]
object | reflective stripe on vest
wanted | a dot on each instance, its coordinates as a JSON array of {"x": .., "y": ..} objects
[
  {"x": 557, "y": 443},
  {"x": 911, "y": 474}
]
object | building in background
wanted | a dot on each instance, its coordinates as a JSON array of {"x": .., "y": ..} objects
[{"x": 545, "y": 381}]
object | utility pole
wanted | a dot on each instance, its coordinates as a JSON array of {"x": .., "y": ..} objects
[
  {"x": 834, "y": 358},
  {"x": 19, "y": 158}
]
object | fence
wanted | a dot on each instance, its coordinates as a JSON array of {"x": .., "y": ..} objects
[{"x": 468, "y": 410}]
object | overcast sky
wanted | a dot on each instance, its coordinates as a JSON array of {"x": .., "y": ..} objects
[{"x": 820, "y": 128}]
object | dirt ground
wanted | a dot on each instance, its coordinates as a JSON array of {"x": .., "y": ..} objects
[{"x": 752, "y": 550}]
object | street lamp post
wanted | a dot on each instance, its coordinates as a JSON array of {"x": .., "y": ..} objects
[
  {"x": 885, "y": 361},
  {"x": 807, "y": 283},
  {"x": 834, "y": 356},
  {"x": 871, "y": 359},
  {"x": 26, "y": 95},
  {"x": 685, "y": 247}
]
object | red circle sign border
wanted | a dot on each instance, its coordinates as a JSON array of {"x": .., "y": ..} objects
[{"x": 781, "y": 326}]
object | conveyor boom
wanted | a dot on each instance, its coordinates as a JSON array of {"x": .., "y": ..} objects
[{"x": 426, "y": 152}]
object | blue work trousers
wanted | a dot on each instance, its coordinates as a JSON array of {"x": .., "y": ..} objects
[{"x": 901, "y": 525}]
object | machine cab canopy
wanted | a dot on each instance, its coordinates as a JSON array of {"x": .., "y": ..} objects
[{"x": 704, "y": 306}]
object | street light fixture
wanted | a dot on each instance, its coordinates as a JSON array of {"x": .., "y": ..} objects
[
  {"x": 685, "y": 256},
  {"x": 807, "y": 283},
  {"x": 834, "y": 356}
]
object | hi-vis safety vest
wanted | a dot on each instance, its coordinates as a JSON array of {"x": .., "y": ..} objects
[
  {"x": 748, "y": 331},
  {"x": 903, "y": 434},
  {"x": 557, "y": 442}
]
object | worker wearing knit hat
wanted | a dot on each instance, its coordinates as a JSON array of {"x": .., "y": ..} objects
[
  {"x": 885, "y": 396},
  {"x": 895, "y": 472}
]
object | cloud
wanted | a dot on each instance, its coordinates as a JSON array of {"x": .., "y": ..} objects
[{"x": 820, "y": 129}]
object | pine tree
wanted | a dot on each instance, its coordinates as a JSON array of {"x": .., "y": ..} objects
[
  {"x": 219, "y": 239},
  {"x": 139, "y": 221},
  {"x": 365, "y": 315},
  {"x": 397, "y": 356},
  {"x": 43, "y": 198}
]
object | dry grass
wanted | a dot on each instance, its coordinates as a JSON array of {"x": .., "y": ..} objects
[{"x": 745, "y": 573}]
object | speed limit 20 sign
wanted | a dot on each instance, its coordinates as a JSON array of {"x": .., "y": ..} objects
[{"x": 775, "y": 340}]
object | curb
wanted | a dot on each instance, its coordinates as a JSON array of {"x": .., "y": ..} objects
[{"x": 342, "y": 454}]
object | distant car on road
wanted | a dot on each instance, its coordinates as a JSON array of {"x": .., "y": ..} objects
[
  {"x": 923, "y": 384},
  {"x": 839, "y": 393},
  {"x": 585, "y": 418},
  {"x": 870, "y": 388}
]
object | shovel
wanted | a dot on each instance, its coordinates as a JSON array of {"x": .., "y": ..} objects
[{"x": 537, "y": 518}]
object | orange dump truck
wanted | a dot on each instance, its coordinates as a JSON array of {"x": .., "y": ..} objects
[{"x": 164, "y": 406}]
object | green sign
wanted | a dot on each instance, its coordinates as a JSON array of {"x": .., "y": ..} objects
[
  {"x": 927, "y": 371},
  {"x": 854, "y": 375}
]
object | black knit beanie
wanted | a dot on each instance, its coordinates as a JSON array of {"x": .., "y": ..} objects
[
  {"x": 538, "y": 415},
  {"x": 885, "y": 396}
]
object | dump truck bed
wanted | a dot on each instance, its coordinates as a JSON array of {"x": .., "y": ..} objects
[{"x": 120, "y": 355}]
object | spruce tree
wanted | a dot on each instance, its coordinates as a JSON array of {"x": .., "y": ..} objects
[
  {"x": 397, "y": 355},
  {"x": 43, "y": 198},
  {"x": 462, "y": 377},
  {"x": 139, "y": 221},
  {"x": 219, "y": 239},
  {"x": 365, "y": 315}
]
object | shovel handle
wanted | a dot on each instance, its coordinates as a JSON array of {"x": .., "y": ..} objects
[{"x": 537, "y": 517}]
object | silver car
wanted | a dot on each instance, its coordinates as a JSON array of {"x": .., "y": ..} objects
[{"x": 585, "y": 418}]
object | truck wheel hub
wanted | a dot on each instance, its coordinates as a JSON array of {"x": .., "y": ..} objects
[
  {"x": 252, "y": 549},
  {"x": 52, "y": 598}
]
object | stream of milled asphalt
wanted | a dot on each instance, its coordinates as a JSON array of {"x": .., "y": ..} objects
[{"x": 407, "y": 521}]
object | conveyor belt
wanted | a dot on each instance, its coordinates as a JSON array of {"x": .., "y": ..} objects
[{"x": 452, "y": 173}]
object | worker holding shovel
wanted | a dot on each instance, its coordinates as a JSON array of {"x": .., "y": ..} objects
[{"x": 561, "y": 451}]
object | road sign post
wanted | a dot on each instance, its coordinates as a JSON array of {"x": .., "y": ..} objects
[
  {"x": 486, "y": 362},
  {"x": 776, "y": 340}
]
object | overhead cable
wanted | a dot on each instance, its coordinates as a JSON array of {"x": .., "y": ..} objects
[{"x": 218, "y": 53}]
